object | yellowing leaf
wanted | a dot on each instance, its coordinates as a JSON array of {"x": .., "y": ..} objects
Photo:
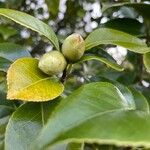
[{"x": 26, "y": 82}]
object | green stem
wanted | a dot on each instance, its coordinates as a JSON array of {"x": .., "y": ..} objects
[{"x": 69, "y": 67}]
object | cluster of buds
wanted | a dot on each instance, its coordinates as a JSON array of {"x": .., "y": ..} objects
[{"x": 54, "y": 62}]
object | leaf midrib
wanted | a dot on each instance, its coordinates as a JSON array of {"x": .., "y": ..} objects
[
  {"x": 104, "y": 60},
  {"x": 112, "y": 41},
  {"x": 29, "y": 71},
  {"x": 16, "y": 93},
  {"x": 34, "y": 29},
  {"x": 81, "y": 121}
]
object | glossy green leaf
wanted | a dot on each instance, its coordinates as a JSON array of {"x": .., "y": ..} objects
[
  {"x": 128, "y": 25},
  {"x": 31, "y": 23},
  {"x": 9, "y": 52},
  {"x": 124, "y": 128},
  {"x": 26, "y": 82},
  {"x": 115, "y": 37},
  {"x": 97, "y": 113},
  {"x": 87, "y": 101},
  {"x": 146, "y": 59},
  {"x": 103, "y": 60},
  {"x": 141, "y": 8},
  {"x": 5, "y": 112},
  {"x": 6, "y": 109},
  {"x": 140, "y": 100},
  {"x": 132, "y": 94},
  {"x": 26, "y": 123}
]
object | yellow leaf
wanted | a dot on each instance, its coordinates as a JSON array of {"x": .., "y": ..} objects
[{"x": 26, "y": 82}]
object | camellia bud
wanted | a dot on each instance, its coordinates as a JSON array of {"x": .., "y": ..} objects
[
  {"x": 52, "y": 63},
  {"x": 73, "y": 47}
]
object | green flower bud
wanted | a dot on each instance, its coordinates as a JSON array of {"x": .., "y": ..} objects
[
  {"x": 52, "y": 63},
  {"x": 73, "y": 47}
]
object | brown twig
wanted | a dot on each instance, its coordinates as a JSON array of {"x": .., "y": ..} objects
[
  {"x": 64, "y": 76},
  {"x": 66, "y": 72}
]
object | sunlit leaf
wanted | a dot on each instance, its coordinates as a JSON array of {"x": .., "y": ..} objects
[
  {"x": 82, "y": 117},
  {"x": 115, "y": 37},
  {"x": 31, "y": 23},
  {"x": 26, "y": 82}
]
